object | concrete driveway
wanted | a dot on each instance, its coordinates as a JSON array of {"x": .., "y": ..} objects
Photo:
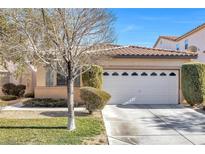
[{"x": 154, "y": 124}]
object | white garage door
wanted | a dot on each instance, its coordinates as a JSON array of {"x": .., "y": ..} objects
[{"x": 142, "y": 86}]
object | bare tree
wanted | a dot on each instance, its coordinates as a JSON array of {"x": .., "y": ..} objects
[{"x": 62, "y": 39}]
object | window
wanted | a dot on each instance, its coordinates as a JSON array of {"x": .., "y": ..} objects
[
  {"x": 61, "y": 80},
  {"x": 177, "y": 46},
  {"x": 106, "y": 74},
  {"x": 153, "y": 74},
  {"x": 144, "y": 74},
  {"x": 125, "y": 74},
  {"x": 163, "y": 74},
  {"x": 161, "y": 42},
  {"x": 172, "y": 74},
  {"x": 49, "y": 77},
  {"x": 186, "y": 44},
  {"x": 115, "y": 74},
  {"x": 134, "y": 74}
]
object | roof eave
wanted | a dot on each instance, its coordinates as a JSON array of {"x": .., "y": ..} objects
[{"x": 157, "y": 57}]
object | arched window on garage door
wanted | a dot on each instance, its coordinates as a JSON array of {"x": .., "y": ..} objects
[
  {"x": 134, "y": 74},
  {"x": 106, "y": 74},
  {"x": 153, "y": 74},
  {"x": 115, "y": 74},
  {"x": 163, "y": 74},
  {"x": 143, "y": 74},
  {"x": 172, "y": 74},
  {"x": 125, "y": 74}
]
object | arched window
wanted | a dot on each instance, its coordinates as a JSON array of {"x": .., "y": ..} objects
[
  {"x": 106, "y": 74},
  {"x": 49, "y": 77},
  {"x": 163, "y": 74},
  {"x": 115, "y": 74},
  {"x": 144, "y": 74},
  {"x": 172, "y": 74},
  {"x": 125, "y": 74},
  {"x": 153, "y": 74},
  {"x": 134, "y": 74}
]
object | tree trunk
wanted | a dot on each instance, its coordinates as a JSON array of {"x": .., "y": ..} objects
[{"x": 70, "y": 102}]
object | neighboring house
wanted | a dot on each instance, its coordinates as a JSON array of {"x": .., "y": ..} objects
[
  {"x": 135, "y": 75},
  {"x": 28, "y": 78},
  {"x": 195, "y": 37}
]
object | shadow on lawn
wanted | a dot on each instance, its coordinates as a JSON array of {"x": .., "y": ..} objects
[
  {"x": 62, "y": 113},
  {"x": 32, "y": 127}
]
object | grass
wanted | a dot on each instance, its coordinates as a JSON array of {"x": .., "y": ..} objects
[
  {"x": 3, "y": 104},
  {"x": 48, "y": 131}
]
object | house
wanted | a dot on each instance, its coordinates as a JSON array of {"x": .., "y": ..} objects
[
  {"x": 194, "y": 37},
  {"x": 28, "y": 78},
  {"x": 133, "y": 74}
]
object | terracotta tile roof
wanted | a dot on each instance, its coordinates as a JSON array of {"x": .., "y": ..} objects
[
  {"x": 175, "y": 38},
  {"x": 144, "y": 52}
]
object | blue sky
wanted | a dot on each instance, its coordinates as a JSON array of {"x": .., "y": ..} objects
[{"x": 143, "y": 26}]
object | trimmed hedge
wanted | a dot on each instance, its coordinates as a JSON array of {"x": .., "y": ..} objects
[
  {"x": 9, "y": 89},
  {"x": 193, "y": 82},
  {"x": 47, "y": 102},
  {"x": 20, "y": 90},
  {"x": 12, "y": 89},
  {"x": 93, "y": 77},
  {"x": 95, "y": 99},
  {"x": 8, "y": 97}
]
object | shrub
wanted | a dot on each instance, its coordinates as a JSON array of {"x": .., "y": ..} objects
[
  {"x": 8, "y": 97},
  {"x": 9, "y": 89},
  {"x": 20, "y": 90},
  {"x": 12, "y": 89},
  {"x": 193, "y": 82},
  {"x": 29, "y": 95},
  {"x": 45, "y": 102},
  {"x": 95, "y": 99},
  {"x": 93, "y": 77}
]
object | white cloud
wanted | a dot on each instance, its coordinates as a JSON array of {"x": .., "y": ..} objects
[{"x": 131, "y": 27}]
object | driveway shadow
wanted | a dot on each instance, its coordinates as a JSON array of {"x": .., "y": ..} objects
[
  {"x": 150, "y": 106},
  {"x": 62, "y": 113},
  {"x": 172, "y": 116}
]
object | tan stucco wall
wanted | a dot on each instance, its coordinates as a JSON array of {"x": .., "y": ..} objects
[
  {"x": 40, "y": 76},
  {"x": 41, "y": 91},
  {"x": 140, "y": 63},
  {"x": 55, "y": 92}
]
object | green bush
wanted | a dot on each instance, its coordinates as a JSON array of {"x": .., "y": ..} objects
[
  {"x": 95, "y": 99},
  {"x": 93, "y": 77},
  {"x": 193, "y": 82},
  {"x": 20, "y": 90},
  {"x": 8, "y": 97},
  {"x": 12, "y": 89},
  {"x": 9, "y": 89},
  {"x": 47, "y": 102},
  {"x": 29, "y": 95}
]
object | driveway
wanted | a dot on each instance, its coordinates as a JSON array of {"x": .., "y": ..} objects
[{"x": 154, "y": 124}]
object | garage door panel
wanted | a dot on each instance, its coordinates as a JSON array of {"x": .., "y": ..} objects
[{"x": 158, "y": 89}]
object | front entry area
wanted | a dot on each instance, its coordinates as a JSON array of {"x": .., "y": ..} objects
[{"x": 142, "y": 86}]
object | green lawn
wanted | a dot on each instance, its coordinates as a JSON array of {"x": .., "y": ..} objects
[{"x": 48, "y": 131}]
